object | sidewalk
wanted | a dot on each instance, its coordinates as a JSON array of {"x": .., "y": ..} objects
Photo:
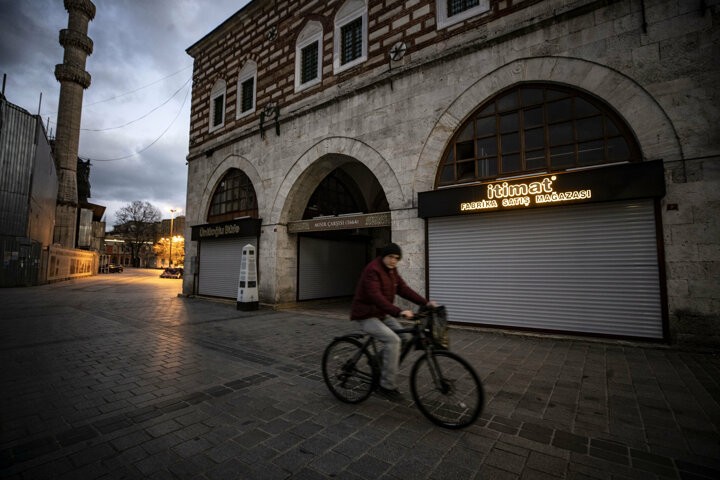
[{"x": 118, "y": 377}]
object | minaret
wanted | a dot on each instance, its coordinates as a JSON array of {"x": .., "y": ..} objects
[{"x": 73, "y": 80}]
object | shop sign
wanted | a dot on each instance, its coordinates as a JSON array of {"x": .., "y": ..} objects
[
  {"x": 602, "y": 184},
  {"x": 523, "y": 195},
  {"x": 246, "y": 227},
  {"x": 369, "y": 220},
  {"x": 219, "y": 231}
]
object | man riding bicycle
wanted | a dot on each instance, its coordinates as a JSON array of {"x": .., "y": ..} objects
[{"x": 373, "y": 302}]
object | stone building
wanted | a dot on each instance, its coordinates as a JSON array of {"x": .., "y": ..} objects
[{"x": 546, "y": 165}]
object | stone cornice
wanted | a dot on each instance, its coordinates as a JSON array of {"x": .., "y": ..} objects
[
  {"x": 84, "y": 6},
  {"x": 76, "y": 39},
  {"x": 72, "y": 73}
]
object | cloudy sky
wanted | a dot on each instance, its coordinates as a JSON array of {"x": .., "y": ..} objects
[{"x": 136, "y": 113}]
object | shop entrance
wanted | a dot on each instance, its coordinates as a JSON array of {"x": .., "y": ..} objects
[{"x": 346, "y": 219}]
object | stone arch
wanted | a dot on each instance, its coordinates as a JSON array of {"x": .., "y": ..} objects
[
  {"x": 231, "y": 161},
  {"x": 653, "y": 129},
  {"x": 321, "y": 159}
]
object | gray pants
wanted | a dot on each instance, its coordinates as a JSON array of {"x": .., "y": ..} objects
[{"x": 382, "y": 330}]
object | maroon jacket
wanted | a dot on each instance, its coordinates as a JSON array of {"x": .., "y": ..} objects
[{"x": 376, "y": 292}]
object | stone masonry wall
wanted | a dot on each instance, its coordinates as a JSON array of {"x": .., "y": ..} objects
[{"x": 661, "y": 77}]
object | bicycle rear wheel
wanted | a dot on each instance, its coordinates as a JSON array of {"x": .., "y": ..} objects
[
  {"x": 350, "y": 381},
  {"x": 446, "y": 389}
]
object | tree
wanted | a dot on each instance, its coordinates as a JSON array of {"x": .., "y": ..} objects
[
  {"x": 162, "y": 250},
  {"x": 138, "y": 223}
]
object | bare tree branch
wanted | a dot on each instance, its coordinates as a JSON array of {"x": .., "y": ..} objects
[{"x": 139, "y": 223}]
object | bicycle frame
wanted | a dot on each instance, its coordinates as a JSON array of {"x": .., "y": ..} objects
[{"x": 419, "y": 341}]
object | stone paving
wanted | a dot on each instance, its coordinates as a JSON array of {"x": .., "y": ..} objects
[{"x": 116, "y": 376}]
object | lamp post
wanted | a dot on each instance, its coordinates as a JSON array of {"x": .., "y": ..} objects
[{"x": 172, "y": 219}]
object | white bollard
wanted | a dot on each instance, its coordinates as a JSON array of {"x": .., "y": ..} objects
[{"x": 247, "y": 296}]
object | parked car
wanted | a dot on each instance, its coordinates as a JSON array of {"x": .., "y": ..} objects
[
  {"x": 113, "y": 268},
  {"x": 172, "y": 273}
]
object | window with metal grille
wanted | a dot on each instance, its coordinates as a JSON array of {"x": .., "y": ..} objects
[
  {"x": 218, "y": 110},
  {"x": 536, "y": 128},
  {"x": 352, "y": 42},
  {"x": 458, "y": 6},
  {"x": 248, "y": 94},
  {"x": 234, "y": 197},
  {"x": 309, "y": 69},
  {"x": 217, "y": 105}
]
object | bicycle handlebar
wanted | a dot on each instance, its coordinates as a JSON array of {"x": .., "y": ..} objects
[{"x": 424, "y": 312}]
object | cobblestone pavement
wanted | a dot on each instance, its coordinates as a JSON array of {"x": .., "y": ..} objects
[{"x": 116, "y": 376}]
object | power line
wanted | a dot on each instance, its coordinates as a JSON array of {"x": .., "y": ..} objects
[
  {"x": 141, "y": 117},
  {"x": 131, "y": 91},
  {"x": 154, "y": 141},
  {"x": 137, "y": 89}
]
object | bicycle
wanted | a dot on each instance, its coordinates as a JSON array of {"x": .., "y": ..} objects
[{"x": 444, "y": 386}]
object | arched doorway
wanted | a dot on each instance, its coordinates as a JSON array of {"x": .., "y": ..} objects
[
  {"x": 544, "y": 217},
  {"x": 344, "y": 221},
  {"x": 232, "y": 222}
]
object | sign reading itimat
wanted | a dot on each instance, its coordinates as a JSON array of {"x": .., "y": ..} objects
[
  {"x": 599, "y": 184},
  {"x": 523, "y": 195}
]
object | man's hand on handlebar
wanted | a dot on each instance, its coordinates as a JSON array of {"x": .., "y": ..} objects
[{"x": 409, "y": 314}]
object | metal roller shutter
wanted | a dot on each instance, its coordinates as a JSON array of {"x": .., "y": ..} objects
[
  {"x": 220, "y": 266},
  {"x": 586, "y": 268},
  {"x": 328, "y": 268}
]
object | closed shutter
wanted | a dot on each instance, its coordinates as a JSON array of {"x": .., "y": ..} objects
[
  {"x": 585, "y": 268},
  {"x": 328, "y": 268},
  {"x": 220, "y": 265}
]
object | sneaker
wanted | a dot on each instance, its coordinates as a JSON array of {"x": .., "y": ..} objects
[{"x": 392, "y": 395}]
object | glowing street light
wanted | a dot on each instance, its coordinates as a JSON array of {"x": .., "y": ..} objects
[{"x": 172, "y": 219}]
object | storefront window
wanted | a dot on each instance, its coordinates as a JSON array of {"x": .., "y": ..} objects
[
  {"x": 234, "y": 197},
  {"x": 536, "y": 128}
]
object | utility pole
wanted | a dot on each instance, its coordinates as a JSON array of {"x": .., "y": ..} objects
[{"x": 172, "y": 219}]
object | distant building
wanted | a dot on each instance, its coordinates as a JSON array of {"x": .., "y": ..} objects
[
  {"x": 28, "y": 189},
  {"x": 28, "y": 195},
  {"x": 118, "y": 250},
  {"x": 177, "y": 224},
  {"x": 545, "y": 165}
]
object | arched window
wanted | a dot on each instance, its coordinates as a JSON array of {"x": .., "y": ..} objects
[
  {"x": 536, "y": 128},
  {"x": 337, "y": 194},
  {"x": 234, "y": 197},
  {"x": 308, "y": 56},
  {"x": 350, "y": 47},
  {"x": 246, "y": 88},
  {"x": 217, "y": 105}
]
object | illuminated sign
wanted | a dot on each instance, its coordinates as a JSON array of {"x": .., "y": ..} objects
[
  {"x": 599, "y": 184},
  {"x": 523, "y": 195},
  {"x": 220, "y": 231},
  {"x": 246, "y": 227}
]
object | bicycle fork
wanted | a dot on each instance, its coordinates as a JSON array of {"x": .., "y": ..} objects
[{"x": 440, "y": 384}]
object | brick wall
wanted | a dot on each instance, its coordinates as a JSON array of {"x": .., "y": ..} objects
[{"x": 246, "y": 36}]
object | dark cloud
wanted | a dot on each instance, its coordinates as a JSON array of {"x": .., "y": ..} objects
[{"x": 138, "y": 63}]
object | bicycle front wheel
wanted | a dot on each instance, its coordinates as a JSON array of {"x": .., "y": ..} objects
[
  {"x": 349, "y": 374},
  {"x": 446, "y": 389}
]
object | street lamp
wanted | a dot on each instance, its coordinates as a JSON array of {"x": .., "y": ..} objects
[{"x": 172, "y": 219}]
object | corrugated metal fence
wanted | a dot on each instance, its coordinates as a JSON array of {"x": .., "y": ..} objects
[{"x": 22, "y": 262}]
